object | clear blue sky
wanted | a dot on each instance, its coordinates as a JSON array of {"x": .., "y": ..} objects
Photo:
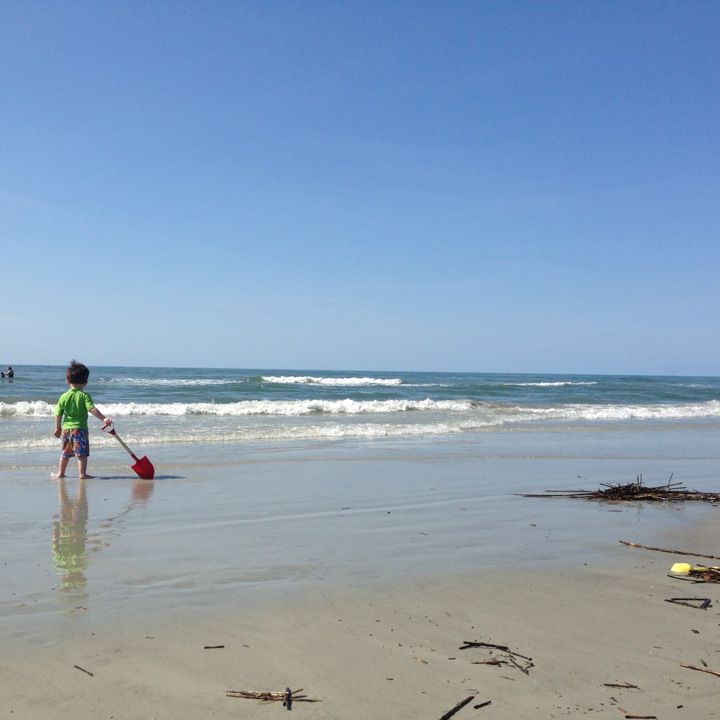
[{"x": 490, "y": 186}]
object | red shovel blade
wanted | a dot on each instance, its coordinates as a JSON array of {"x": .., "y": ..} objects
[{"x": 144, "y": 468}]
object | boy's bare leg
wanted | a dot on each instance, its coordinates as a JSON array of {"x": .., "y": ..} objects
[
  {"x": 62, "y": 465},
  {"x": 82, "y": 468}
]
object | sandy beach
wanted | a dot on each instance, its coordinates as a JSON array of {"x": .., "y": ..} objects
[
  {"x": 356, "y": 574},
  {"x": 394, "y": 651}
]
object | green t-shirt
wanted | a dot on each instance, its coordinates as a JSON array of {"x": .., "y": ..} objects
[{"x": 73, "y": 407}]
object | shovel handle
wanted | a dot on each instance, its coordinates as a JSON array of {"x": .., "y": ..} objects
[{"x": 110, "y": 430}]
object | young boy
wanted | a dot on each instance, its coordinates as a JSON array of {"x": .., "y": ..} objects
[{"x": 71, "y": 423}]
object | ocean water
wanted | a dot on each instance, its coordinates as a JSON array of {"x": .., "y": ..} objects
[{"x": 172, "y": 406}]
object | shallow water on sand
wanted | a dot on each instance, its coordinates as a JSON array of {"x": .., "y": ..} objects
[{"x": 236, "y": 524}]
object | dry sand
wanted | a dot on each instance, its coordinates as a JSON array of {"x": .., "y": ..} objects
[{"x": 393, "y": 651}]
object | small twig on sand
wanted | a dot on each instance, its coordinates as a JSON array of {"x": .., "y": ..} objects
[
  {"x": 472, "y": 644},
  {"x": 697, "y": 603},
  {"x": 457, "y": 708},
  {"x": 504, "y": 648},
  {"x": 492, "y": 661},
  {"x": 625, "y": 686},
  {"x": 508, "y": 659},
  {"x": 482, "y": 705},
  {"x": 672, "y": 552},
  {"x": 267, "y": 696},
  {"x": 630, "y": 716},
  {"x": 518, "y": 666},
  {"x": 692, "y": 667},
  {"x": 87, "y": 672}
]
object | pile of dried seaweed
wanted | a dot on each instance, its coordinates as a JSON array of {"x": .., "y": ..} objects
[
  {"x": 670, "y": 491},
  {"x": 701, "y": 574}
]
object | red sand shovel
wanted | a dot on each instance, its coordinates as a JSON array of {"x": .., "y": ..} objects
[{"x": 143, "y": 467}]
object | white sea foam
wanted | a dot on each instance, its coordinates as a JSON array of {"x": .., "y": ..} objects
[
  {"x": 206, "y": 433},
  {"x": 23, "y": 408},
  {"x": 288, "y": 408},
  {"x": 171, "y": 382},
  {"x": 710, "y": 409},
  {"x": 297, "y": 408},
  {"x": 339, "y": 381},
  {"x": 416, "y": 385},
  {"x": 556, "y": 383}
]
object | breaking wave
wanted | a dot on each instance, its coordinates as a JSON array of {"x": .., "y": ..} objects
[{"x": 296, "y": 408}]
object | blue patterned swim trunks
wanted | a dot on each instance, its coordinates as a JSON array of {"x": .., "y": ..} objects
[{"x": 75, "y": 443}]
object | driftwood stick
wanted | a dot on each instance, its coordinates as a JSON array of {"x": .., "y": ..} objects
[
  {"x": 472, "y": 644},
  {"x": 508, "y": 659},
  {"x": 517, "y": 654},
  {"x": 692, "y": 667},
  {"x": 493, "y": 661},
  {"x": 702, "y": 603},
  {"x": 458, "y": 707},
  {"x": 665, "y": 550},
  {"x": 518, "y": 665},
  {"x": 270, "y": 696},
  {"x": 625, "y": 686},
  {"x": 482, "y": 705},
  {"x": 255, "y": 695},
  {"x": 87, "y": 672}
]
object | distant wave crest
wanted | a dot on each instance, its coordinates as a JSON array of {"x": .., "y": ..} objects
[
  {"x": 555, "y": 383},
  {"x": 171, "y": 382},
  {"x": 340, "y": 381}
]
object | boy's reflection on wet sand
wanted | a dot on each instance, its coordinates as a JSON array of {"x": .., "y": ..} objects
[{"x": 70, "y": 541}]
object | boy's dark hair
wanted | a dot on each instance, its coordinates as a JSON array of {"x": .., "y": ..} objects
[{"x": 77, "y": 373}]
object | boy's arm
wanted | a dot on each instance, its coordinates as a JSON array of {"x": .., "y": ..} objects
[
  {"x": 106, "y": 420},
  {"x": 58, "y": 426}
]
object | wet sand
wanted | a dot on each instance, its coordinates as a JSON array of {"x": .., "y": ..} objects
[
  {"x": 394, "y": 651},
  {"x": 356, "y": 576}
]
